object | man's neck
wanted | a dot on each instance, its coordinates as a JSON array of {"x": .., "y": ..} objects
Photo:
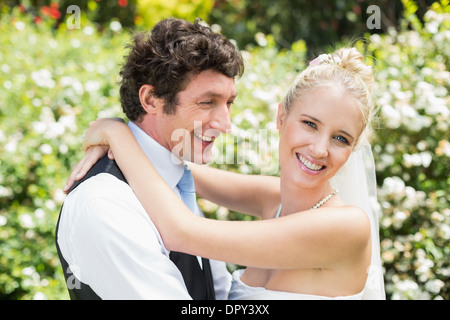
[{"x": 150, "y": 129}]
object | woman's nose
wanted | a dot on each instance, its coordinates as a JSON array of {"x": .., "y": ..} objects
[{"x": 319, "y": 148}]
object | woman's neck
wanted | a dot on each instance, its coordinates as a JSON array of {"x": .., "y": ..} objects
[{"x": 296, "y": 199}]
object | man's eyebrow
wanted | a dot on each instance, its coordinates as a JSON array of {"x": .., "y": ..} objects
[{"x": 216, "y": 95}]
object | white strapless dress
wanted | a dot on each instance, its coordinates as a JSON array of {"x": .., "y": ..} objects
[{"x": 240, "y": 291}]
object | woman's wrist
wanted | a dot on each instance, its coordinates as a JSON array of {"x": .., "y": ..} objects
[
  {"x": 104, "y": 132},
  {"x": 116, "y": 134}
]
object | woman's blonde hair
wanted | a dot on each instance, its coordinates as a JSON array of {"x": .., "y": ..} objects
[{"x": 343, "y": 68}]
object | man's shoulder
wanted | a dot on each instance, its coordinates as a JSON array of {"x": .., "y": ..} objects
[
  {"x": 102, "y": 185},
  {"x": 103, "y": 205},
  {"x": 99, "y": 197}
]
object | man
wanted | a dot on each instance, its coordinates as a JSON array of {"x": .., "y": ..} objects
[{"x": 177, "y": 87}]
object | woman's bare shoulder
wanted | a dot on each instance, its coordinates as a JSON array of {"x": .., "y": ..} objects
[{"x": 354, "y": 221}]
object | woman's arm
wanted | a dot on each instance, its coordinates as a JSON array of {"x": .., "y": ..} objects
[
  {"x": 312, "y": 239},
  {"x": 250, "y": 194}
]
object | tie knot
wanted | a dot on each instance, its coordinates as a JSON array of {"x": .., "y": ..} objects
[{"x": 186, "y": 183}]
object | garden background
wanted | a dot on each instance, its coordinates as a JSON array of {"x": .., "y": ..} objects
[{"x": 59, "y": 71}]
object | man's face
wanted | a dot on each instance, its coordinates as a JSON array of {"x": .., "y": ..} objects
[{"x": 202, "y": 113}]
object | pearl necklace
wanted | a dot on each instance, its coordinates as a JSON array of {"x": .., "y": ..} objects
[
  {"x": 317, "y": 205},
  {"x": 321, "y": 202}
]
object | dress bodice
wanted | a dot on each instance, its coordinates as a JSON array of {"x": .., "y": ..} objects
[{"x": 241, "y": 291}]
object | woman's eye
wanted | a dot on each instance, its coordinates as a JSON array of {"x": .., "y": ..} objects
[
  {"x": 310, "y": 124},
  {"x": 342, "y": 139}
]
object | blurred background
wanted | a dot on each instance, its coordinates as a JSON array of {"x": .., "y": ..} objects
[{"x": 59, "y": 64}]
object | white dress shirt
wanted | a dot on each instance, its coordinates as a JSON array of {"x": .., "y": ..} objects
[{"x": 111, "y": 244}]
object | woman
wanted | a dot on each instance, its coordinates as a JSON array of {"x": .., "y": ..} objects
[{"x": 312, "y": 242}]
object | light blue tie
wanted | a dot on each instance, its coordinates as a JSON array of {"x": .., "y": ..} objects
[{"x": 187, "y": 189}]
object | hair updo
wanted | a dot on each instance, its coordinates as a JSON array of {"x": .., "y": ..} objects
[{"x": 343, "y": 68}]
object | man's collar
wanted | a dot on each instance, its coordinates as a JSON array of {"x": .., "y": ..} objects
[{"x": 161, "y": 158}]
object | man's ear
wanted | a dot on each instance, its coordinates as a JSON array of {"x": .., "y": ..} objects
[
  {"x": 149, "y": 102},
  {"x": 280, "y": 116}
]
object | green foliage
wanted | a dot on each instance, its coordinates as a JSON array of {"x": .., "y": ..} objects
[
  {"x": 412, "y": 153},
  {"x": 51, "y": 85},
  {"x": 319, "y": 23},
  {"x": 150, "y": 11},
  {"x": 54, "y": 81}
]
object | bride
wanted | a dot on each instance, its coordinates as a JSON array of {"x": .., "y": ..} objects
[{"x": 318, "y": 235}]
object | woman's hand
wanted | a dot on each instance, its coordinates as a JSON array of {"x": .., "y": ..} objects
[
  {"x": 93, "y": 154},
  {"x": 97, "y": 134},
  {"x": 96, "y": 146}
]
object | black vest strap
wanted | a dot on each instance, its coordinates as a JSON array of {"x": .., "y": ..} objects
[{"x": 199, "y": 282}]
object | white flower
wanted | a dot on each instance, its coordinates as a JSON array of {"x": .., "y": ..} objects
[
  {"x": 46, "y": 148},
  {"x": 8, "y": 85},
  {"x": 39, "y": 126},
  {"x": 92, "y": 86},
  {"x": 445, "y": 231},
  {"x": 407, "y": 285},
  {"x": 266, "y": 96},
  {"x": 432, "y": 27},
  {"x": 75, "y": 43},
  {"x": 11, "y": 146},
  {"x": 65, "y": 81},
  {"x": 5, "y": 68},
  {"x": 261, "y": 39},
  {"x": 88, "y": 30},
  {"x": 19, "y": 25},
  {"x": 400, "y": 216},
  {"x": 393, "y": 185},
  {"x": 395, "y": 86},
  {"x": 434, "y": 286},
  {"x": 3, "y": 221},
  {"x": 43, "y": 78},
  {"x": 392, "y": 116},
  {"x": 26, "y": 221},
  {"x": 40, "y": 296},
  {"x": 115, "y": 26}
]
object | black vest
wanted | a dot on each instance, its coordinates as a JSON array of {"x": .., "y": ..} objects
[{"x": 199, "y": 282}]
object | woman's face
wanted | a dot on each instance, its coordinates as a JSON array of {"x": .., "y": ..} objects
[{"x": 317, "y": 135}]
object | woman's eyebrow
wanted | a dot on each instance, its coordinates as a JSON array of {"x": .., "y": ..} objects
[
  {"x": 311, "y": 117},
  {"x": 317, "y": 120},
  {"x": 346, "y": 133}
]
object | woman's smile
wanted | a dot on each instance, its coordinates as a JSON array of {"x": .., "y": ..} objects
[{"x": 310, "y": 166}]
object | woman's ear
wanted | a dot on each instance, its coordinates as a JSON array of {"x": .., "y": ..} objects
[
  {"x": 280, "y": 116},
  {"x": 149, "y": 102}
]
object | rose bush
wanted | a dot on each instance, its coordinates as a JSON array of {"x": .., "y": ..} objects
[{"x": 54, "y": 82}]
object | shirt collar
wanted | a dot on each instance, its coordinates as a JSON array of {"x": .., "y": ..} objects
[{"x": 161, "y": 158}]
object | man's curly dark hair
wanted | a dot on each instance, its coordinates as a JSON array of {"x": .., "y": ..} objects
[{"x": 169, "y": 57}]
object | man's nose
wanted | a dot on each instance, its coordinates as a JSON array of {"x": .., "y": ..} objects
[{"x": 221, "y": 118}]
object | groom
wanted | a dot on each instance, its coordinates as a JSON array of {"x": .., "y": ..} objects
[{"x": 177, "y": 87}]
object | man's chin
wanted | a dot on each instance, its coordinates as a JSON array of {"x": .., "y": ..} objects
[
  {"x": 201, "y": 159},
  {"x": 198, "y": 158}
]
